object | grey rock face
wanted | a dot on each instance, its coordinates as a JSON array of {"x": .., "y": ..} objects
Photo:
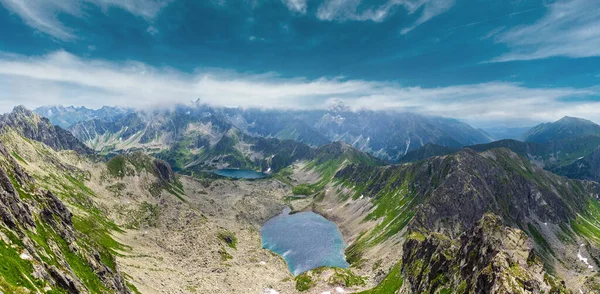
[
  {"x": 43, "y": 211},
  {"x": 37, "y": 128}
]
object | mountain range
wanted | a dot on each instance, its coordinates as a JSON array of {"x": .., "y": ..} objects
[
  {"x": 122, "y": 202},
  {"x": 387, "y": 135}
]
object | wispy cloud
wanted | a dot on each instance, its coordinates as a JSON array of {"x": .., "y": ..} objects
[
  {"x": 62, "y": 78},
  {"x": 356, "y": 10},
  {"x": 295, "y": 5},
  {"x": 42, "y": 15},
  {"x": 343, "y": 10},
  {"x": 431, "y": 9},
  {"x": 569, "y": 29}
]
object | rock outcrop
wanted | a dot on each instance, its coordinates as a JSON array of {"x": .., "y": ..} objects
[
  {"x": 441, "y": 208},
  {"x": 37, "y": 128},
  {"x": 40, "y": 247},
  {"x": 489, "y": 258}
]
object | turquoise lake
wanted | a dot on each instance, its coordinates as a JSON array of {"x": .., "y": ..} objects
[
  {"x": 305, "y": 240},
  {"x": 239, "y": 173}
]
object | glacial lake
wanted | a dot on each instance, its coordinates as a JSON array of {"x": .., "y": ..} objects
[
  {"x": 305, "y": 240},
  {"x": 239, "y": 173}
]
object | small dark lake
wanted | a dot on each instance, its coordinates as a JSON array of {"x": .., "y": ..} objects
[
  {"x": 239, "y": 173},
  {"x": 305, "y": 240}
]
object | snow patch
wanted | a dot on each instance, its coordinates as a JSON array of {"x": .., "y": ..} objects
[
  {"x": 583, "y": 259},
  {"x": 270, "y": 291},
  {"x": 339, "y": 290}
]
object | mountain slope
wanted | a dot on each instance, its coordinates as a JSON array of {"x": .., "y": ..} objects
[
  {"x": 35, "y": 127},
  {"x": 584, "y": 168},
  {"x": 564, "y": 128},
  {"x": 573, "y": 158},
  {"x": 426, "y": 151},
  {"x": 446, "y": 199},
  {"x": 44, "y": 247}
]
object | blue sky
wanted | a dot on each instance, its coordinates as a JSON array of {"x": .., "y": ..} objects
[{"x": 487, "y": 62}]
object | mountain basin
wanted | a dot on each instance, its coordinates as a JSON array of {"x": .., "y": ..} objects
[
  {"x": 239, "y": 173},
  {"x": 305, "y": 240}
]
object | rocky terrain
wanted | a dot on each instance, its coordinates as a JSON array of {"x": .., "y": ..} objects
[
  {"x": 520, "y": 227},
  {"x": 38, "y": 128},
  {"x": 44, "y": 246},
  {"x": 387, "y": 135},
  {"x": 480, "y": 220}
]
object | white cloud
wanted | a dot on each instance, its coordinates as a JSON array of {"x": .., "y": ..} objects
[
  {"x": 61, "y": 78},
  {"x": 569, "y": 29},
  {"x": 343, "y": 10},
  {"x": 42, "y": 15},
  {"x": 296, "y": 5},
  {"x": 152, "y": 30},
  {"x": 431, "y": 9}
]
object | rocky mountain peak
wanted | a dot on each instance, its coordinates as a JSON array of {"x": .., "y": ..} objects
[
  {"x": 20, "y": 109},
  {"x": 564, "y": 128},
  {"x": 572, "y": 119},
  {"x": 32, "y": 126}
]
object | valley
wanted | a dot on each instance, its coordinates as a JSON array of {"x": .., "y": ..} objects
[{"x": 474, "y": 220}]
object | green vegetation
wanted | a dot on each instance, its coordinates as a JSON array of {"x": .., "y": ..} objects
[
  {"x": 394, "y": 208},
  {"x": 302, "y": 189},
  {"x": 346, "y": 278},
  {"x": 15, "y": 272},
  {"x": 77, "y": 262},
  {"x": 19, "y": 158},
  {"x": 589, "y": 225},
  {"x": 228, "y": 238},
  {"x": 284, "y": 175},
  {"x": 390, "y": 284},
  {"x": 132, "y": 287},
  {"x": 225, "y": 256},
  {"x": 146, "y": 215},
  {"x": 97, "y": 233},
  {"x": 117, "y": 166},
  {"x": 304, "y": 282}
]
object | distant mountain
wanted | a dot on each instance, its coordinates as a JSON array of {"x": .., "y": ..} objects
[
  {"x": 67, "y": 116},
  {"x": 281, "y": 124},
  {"x": 37, "y": 128},
  {"x": 387, "y": 135},
  {"x": 501, "y": 133},
  {"x": 575, "y": 158},
  {"x": 584, "y": 168},
  {"x": 564, "y": 128}
]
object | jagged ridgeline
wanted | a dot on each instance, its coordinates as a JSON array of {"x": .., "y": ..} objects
[
  {"x": 196, "y": 130},
  {"x": 44, "y": 248},
  {"x": 54, "y": 236},
  {"x": 489, "y": 222}
]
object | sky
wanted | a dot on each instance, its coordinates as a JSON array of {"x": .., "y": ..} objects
[{"x": 486, "y": 62}]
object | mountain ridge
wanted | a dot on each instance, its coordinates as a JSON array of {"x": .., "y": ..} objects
[
  {"x": 564, "y": 128},
  {"x": 386, "y": 134}
]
